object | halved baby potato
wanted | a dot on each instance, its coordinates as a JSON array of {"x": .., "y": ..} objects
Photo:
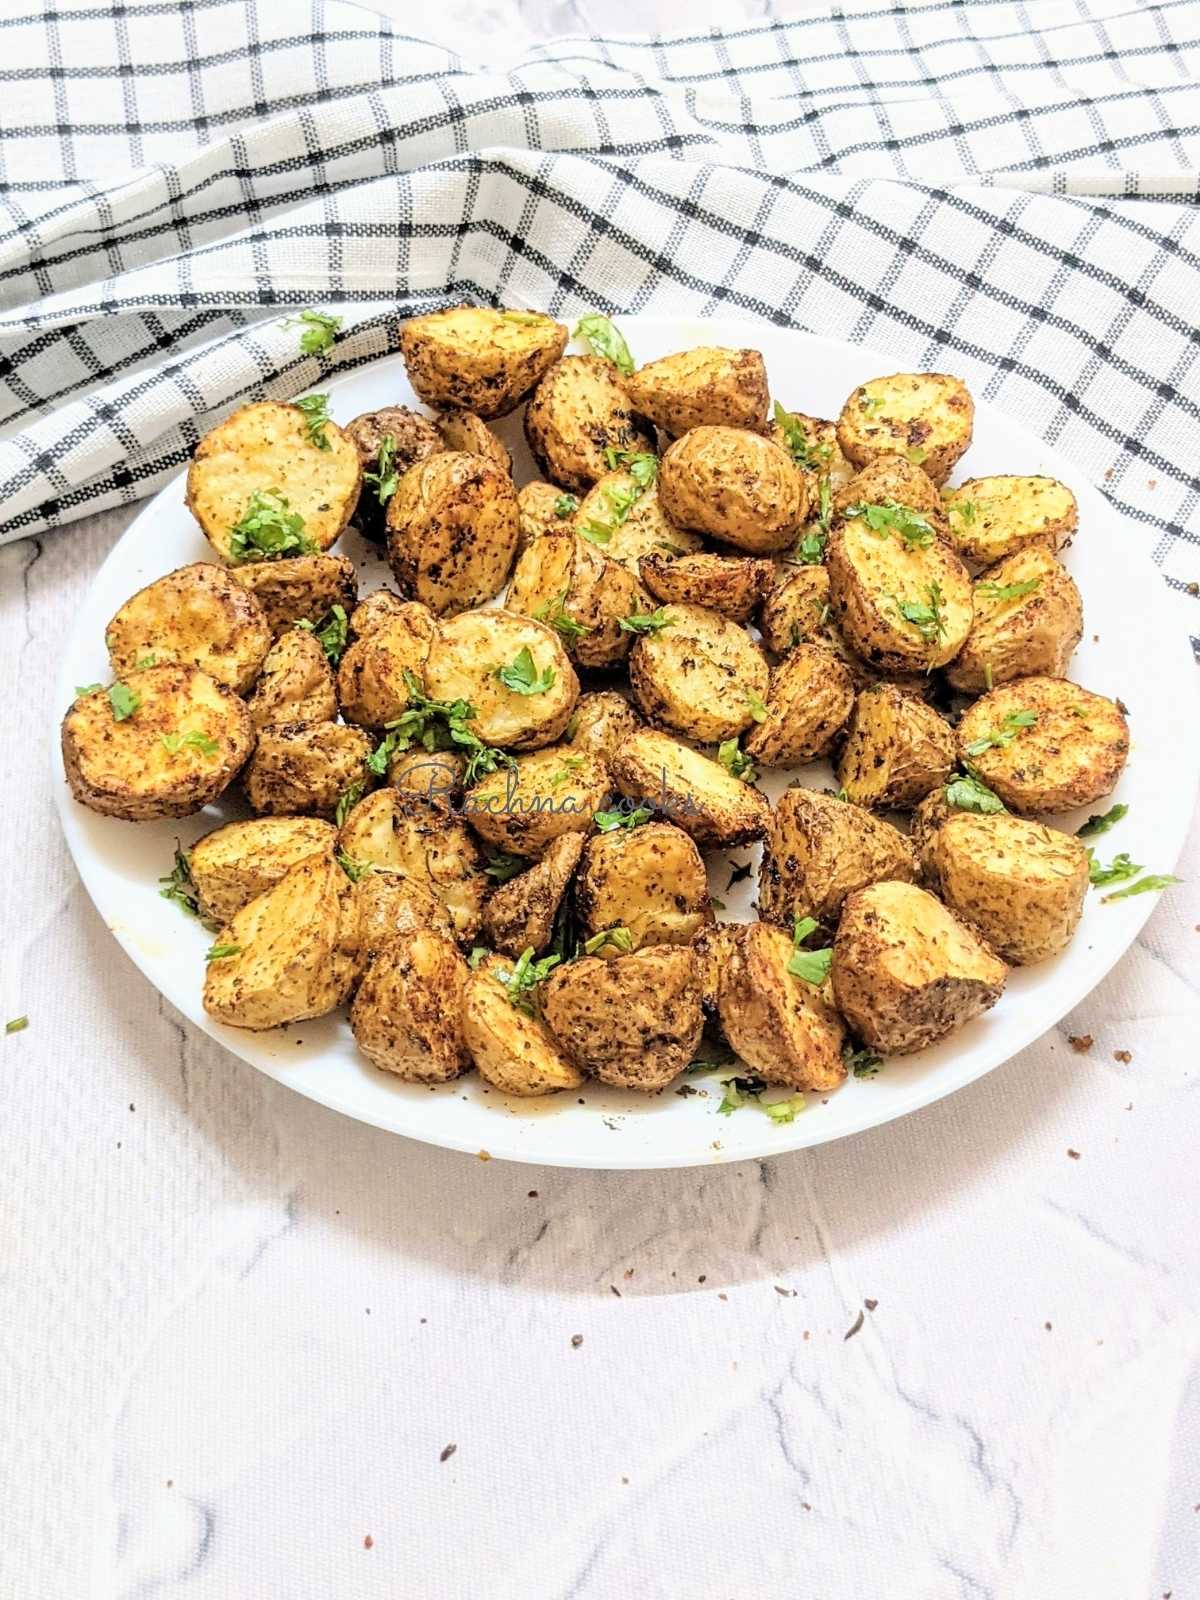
[
  {"x": 181, "y": 743},
  {"x": 568, "y": 583},
  {"x": 548, "y": 793},
  {"x": 406, "y": 1014},
  {"x": 452, "y": 531},
  {"x": 388, "y": 441},
  {"x": 389, "y": 904},
  {"x": 372, "y": 687},
  {"x": 296, "y": 683},
  {"x": 579, "y": 412},
  {"x": 892, "y": 480},
  {"x": 810, "y": 696},
  {"x": 543, "y": 508},
  {"x": 927, "y": 417},
  {"x": 600, "y": 721},
  {"x": 267, "y": 449},
  {"x": 628, "y": 522},
  {"x": 897, "y": 749},
  {"x": 779, "y": 1024},
  {"x": 233, "y": 864},
  {"x": 479, "y": 359},
  {"x": 398, "y": 833},
  {"x": 903, "y": 603},
  {"x": 463, "y": 430},
  {"x": 469, "y": 652},
  {"x": 991, "y": 518},
  {"x": 796, "y": 609},
  {"x": 432, "y": 774},
  {"x": 300, "y": 589},
  {"x": 820, "y": 849},
  {"x": 521, "y": 913},
  {"x": 195, "y": 616},
  {"x": 699, "y": 673},
  {"x": 374, "y": 609},
  {"x": 1028, "y": 620},
  {"x": 695, "y": 793},
  {"x": 306, "y": 768},
  {"x": 705, "y": 385},
  {"x": 512, "y": 1048},
  {"x": 739, "y": 487},
  {"x": 649, "y": 880},
  {"x": 732, "y": 585}
]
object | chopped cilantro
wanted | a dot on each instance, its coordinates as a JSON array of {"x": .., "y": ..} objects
[
  {"x": 811, "y": 965},
  {"x": 735, "y": 760},
  {"x": 755, "y": 706},
  {"x": 566, "y": 506},
  {"x": 316, "y": 414},
  {"x": 891, "y": 517},
  {"x": 1101, "y": 822},
  {"x": 173, "y": 743},
  {"x": 521, "y": 675},
  {"x": 347, "y": 801},
  {"x": 16, "y": 1025},
  {"x": 1150, "y": 884},
  {"x": 222, "y": 952},
  {"x": 320, "y": 328},
  {"x": 619, "y": 938},
  {"x": 353, "y": 869},
  {"x": 968, "y": 793},
  {"x": 1007, "y": 591},
  {"x": 604, "y": 339},
  {"x": 385, "y": 478},
  {"x": 1013, "y": 724},
  {"x": 503, "y": 866},
  {"x": 123, "y": 700},
  {"x": 647, "y": 621},
  {"x": 862, "y": 1063},
  {"x": 522, "y": 980},
  {"x": 926, "y": 618},
  {"x": 268, "y": 529},
  {"x": 332, "y": 634},
  {"x": 609, "y": 821}
]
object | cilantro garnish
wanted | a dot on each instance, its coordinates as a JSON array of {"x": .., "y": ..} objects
[
  {"x": 620, "y": 499},
  {"x": 566, "y": 506},
  {"x": 1101, "y": 822},
  {"x": 268, "y": 530},
  {"x": 436, "y": 725},
  {"x": 1007, "y": 591},
  {"x": 1118, "y": 870},
  {"x": 551, "y": 611},
  {"x": 891, "y": 517},
  {"x": 735, "y": 760},
  {"x": 333, "y": 633},
  {"x": 969, "y": 793},
  {"x": 222, "y": 952},
  {"x": 609, "y": 821},
  {"x": 179, "y": 886},
  {"x": 353, "y": 869},
  {"x": 811, "y": 965},
  {"x": 173, "y": 743},
  {"x": 1013, "y": 724},
  {"x": 316, "y": 414},
  {"x": 522, "y": 980},
  {"x": 647, "y": 621},
  {"x": 123, "y": 700},
  {"x": 16, "y": 1025},
  {"x": 620, "y": 938},
  {"x": 603, "y": 339},
  {"x": 320, "y": 328},
  {"x": 755, "y": 706},
  {"x": 1150, "y": 884},
  {"x": 862, "y": 1063},
  {"x": 385, "y": 477},
  {"x": 347, "y": 801},
  {"x": 521, "y": 675},
  {"x": 504, "y": 866}
]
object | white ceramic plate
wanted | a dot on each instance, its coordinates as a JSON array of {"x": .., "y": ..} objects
[{"x": 1131, "y": 648}]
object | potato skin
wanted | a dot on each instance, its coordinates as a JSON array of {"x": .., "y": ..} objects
[
  {"x": 463, "y": 430},
  {"x": 890, "y": 478},
  {"x": 872, "y": 574},
  {"x": 562, "y": 579},
  {"x": 300, "y": 589},
  {"x": 600, "y": 721},
  {"x": 897, "y": 749},
  {"x": 123, "y": 769},
  {"x": 462, "y": 664},
  {"x": 818, "y": 850},
  {"x": 708, "y": 384},
  {"x": 550, "y": 793},
  {"x": 927, "y": 818},
  {"x": 633, "y": 1022},
  {"x": 400, "y": 833},
  {"x": 232, "y": 865},
  {"x": 405, "y": 1016},
  {"x": 514, "y": 1052},
  {"x": 389, "y": 904},
  {"x": 579, "y": 410},
  {"x": 645, "y": 530},
  {"x": 780, "y": 1025},
  {"x": 906, "y": 971},
  {"x": 736, "y": 486},
  {"x": 649, "y": 880},
  {"x": 520, "y": 914},
  {"x": 991, "y": 518},
  {"x": 1030, "y": 635},
  {"x": 477, "y": 359},
  {"x": 700, "y": 675},
  {"x": 374, "y": 610},
  {"x": 452, "y": 531},
  {"x": 371, "y": 683},
  {"x": 305, "y": 768},
  {"x": 1020, "y": 884},
  {"x": 296, "y": 951},
  {"x": 696, "y": 794},
  {"x": 196, "y": 616},
  {"x": 811, "y": 694},
  {"x": 796, "y": 609},
  {"x": 432, "y": 774},
  {"x": 414, "y": 438},
  {"x": 296, "y": 684},
  {"x": 538, "y": 512},
  {"x": 928, "y": 417},
  {"x": 1073, "y": 754},
  {"x": 732, "y": 585},
  {"x": 266, "y": 445}
]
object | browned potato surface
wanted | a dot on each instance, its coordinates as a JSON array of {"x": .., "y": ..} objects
[
  {"x": 196, "y": 616},
  {"x": 818, "y": 850},
  {"x": 233, "y": 864},
  {"x": 520, "y": 914},
  {"x": 713, "y": 948},
  {"x": 406, "y": 1014},
  {"x": 390, "y": 904},
  {"x": 737, "y": 486},
  {"x": 649, "y": 880},
  {"x": 543, "y": 508},
  {"x": 991, "y": 518},
  {"x": 897, "y": 749},
  {"x": 810, "y": 696},
  {"x": 927, "y": 818},
  {"x": 796, "y": 609},
  {"x": 580, "y": 410},
  {"x": 927, "y": 417},
  {"x": 479, "y": 359},
  {"x": 732, "y": 585},
  {"x": 627, "y": 521},
  {"x": 296, "y": 684},
  {"x": 779, "y": 1024},
  {"x": 300, "y": 589},
  {"x": 550, "y": 792},
  {"x": 600, "y": 721},
  {"x": 696, "y": 794},
  {"x": 452, "y": 531},
  {"x": 388, "y": 441},
  {"x": 1028, "y": 620},
  {"x": 400, "y": 833},
  {"x": 512, "y": 1048},
  {"x": 892, "y": 480},
  {"x": 471, "y": 649},
  {"x": 571, "y": 585},
  {"x": 699, "y": 673},
  {"x": 704, "y": 385},
  {"x": 463, "y": 430},
  {"x": 306, "y": 767},
  {"x": 904, "y": 604},
  {"x": 432, "y": 774},
  {"x": 371, "y": 683}
]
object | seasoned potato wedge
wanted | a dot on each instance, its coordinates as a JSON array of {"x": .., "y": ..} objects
[
  {"x": 550, "y": 792},
  {"x": 580, "y": 410},
  {"x": 472, "y": 648},
  {"x": 991, "y": 518},
  {"x": 406, "y": 1014},
  {"x": 374, "y": 609},
  {"x": 796, "y": 609},
  {"x": 371, "y": 685},
  {"x": 712, "y": 947},
  {"x": 699, "y": 673},
  {"x": 300, "y": 589},
  {"x": 1028, "y": 620},
  {"x": 388, "y": 441},
  {"x": 820, "y": 849},
  {"x": 402, "y": 834},
  {"x": 923, "y": 825},
  {"x": 512, "y": 1048},
  {"x": 452, "y": 531},
  {"x": 543, "y": 508},
  {"x": 600, "y": 722},
  {"x": 1020, "y": 884},
  {"x": 627, "y": 521},
  {"x": 463, "y": 430},
  {"x": 779, "y": 1024},
  {"x": 737, "y": 486},
  {"x": 196, "y": 616},
  {"x": 292, "y": 950},
  {"x": 389, "y": 904},
  {"x": 479, "y": 359},
  {"x": 296, "y": 684},
  {"x": 306, "y": 767},
  {"x": 520, "y": 914},
  {"x": 648, "y": 880},
  {"x": 810, "y": 696},
  {"x": 697, "y": 794},
  {"x": 233, "y": 864},
  {"x": 926, "y": 417},
  {"x": 906, "y": 971},
  {"x": 183, "y": 744},
  {"x": 892, "y": 480},
  {"x": 1071, "y": 753},
  {"x": 568, "y": 583},
  {"x": 732, "y": 585},
  {"x": 904, "y": 605},
  {"x": 634, "y": 1022},
  {"x": 897, "y": 749},
  {"x": 706, "y": 385},
  {"x": 267, "y": 448},
  {"x": 432, "y": 774}
]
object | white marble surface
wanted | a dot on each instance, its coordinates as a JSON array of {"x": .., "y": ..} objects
[{"x": 238, "y": 1331}]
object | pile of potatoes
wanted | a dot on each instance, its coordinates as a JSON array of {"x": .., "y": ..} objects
[{"x": 482, "y": 821}]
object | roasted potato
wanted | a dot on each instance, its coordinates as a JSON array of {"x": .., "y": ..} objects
[
  {"x": 892, "y": 480},
  {"x": 306, "y": 768},
  {"x": 812, "y": 444},
  {"x": 470, "y": 651},
  {"x": 897, "y": 749},
  {"x": 1028, "y": 620},
  {"x": 809, "y": 698},
  {"x": 520, "y": 914},
  {"x": 779, "y": 1024},
  {"x": 452, "y": 531},
  {"x": 899, "y": 594},
  {"x": 706, "y": 385},
  {"x": 927, "y": 417},
  {"x": 568, "y": 583},
  {"x": 732, "y": 585},
  {"x": 697, "y": 794},
  {"x": 634, "y": 1022},
  {"x": 432, "y": 774},
  {"x": 796, "y": 609},
  {"x": 991, "y": 518},
  {"x": 179, "y": 745},
  {"x": 478, "y": 359},
  {"x": 406, "y": 1016},
  {"x": 374, "y": 609},
  {"x": 699, "y": 673},
  {"x": 1020, "y": 884},
  {"x": 196, "y": 616},
  {"x": 372, "y": 687},
  {"x": 600, "y": 721},
  {"x": 267, "y": 455},
  {"x": 928, "y": 816},
  {"x": 649, "y": 880},
  {"x": 627, "y": 521},
  {"x": 578, "y": 412},
  {"x": 737, "y": 486},
  {"x": 543, "y": 508},
  {"x": 388, "y": 441},
  {"x": 463, "y": 430},
  {"x": 402, "y": 834},
  {"x": 300, "y": 589},
  {"x": 549, "y": 793},
  {"x": 712, "y": 947},
  {"x": 820, "y": 849},
  {"x": 232, "y": 865},
  {"x": 291, "y": 953},
  {"x": 906, "y": 971},
  {"x": 1045, "y": 744},
  {"x": 512, "y": 1048},
  {"x": 389, "y": 904},
  {"x": 296, "y": 684}
]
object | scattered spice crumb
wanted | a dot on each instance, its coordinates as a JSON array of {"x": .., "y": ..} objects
[
  {"x": 807, "y": 1335},
  {"x": 576, "y": 1340},
  {"x": 367, "y": 1309},
  {"x": 485, "y": 1155},
  {"x": 1074, "y": 1154},
  {"x": 170, "y": 1483},
  {"x": 1152, "y": 483},
  {"x": 805, "y": 1505},
  {"x": 1108, "y": 472},
  {"x": 1049, "y": 1326},
  {"x": 1123, "y": 1055},
  {"x": 368, "y": 1542},
  {"x": 788, "y": 1294},
  {"x": 721, "y": 1295},
  {"x": 629, "y": 1272},
  {"x": 132, "y": 1107},
  {"x": 533, "y": 1194},
  {"x": 624, "y": 1480},
  {"x": 703, "y": 1278},
  {"x": 870, "y": 1304},
  {"x": 854, "y": 1327},
  {"x": 1082, "y": 1042},
  {"x": 448, "y": 1452},
  {"x": 615, "y": 1290},
  {"x": 1192, "y": 588}
]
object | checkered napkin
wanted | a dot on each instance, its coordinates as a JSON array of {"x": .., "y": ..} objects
[{"x": 1003, "y": 190}]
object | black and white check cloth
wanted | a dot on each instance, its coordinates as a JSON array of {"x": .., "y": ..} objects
[{"x": 1004, "y": 190}]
